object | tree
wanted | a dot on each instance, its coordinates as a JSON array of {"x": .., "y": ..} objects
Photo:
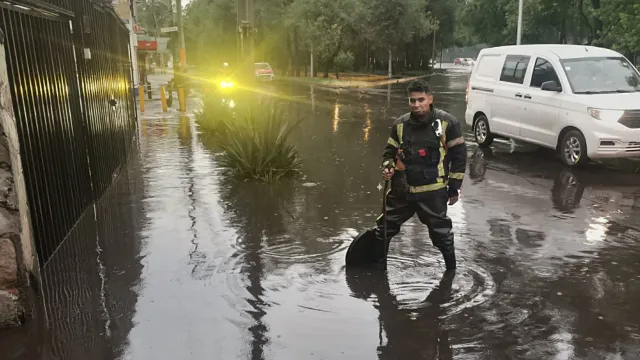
[
  {"x": 391, "y": 23},
  {"x": 324, "y": 27},
  {"x": 210, "y": 32},
  {"x": 621, "y": 25},
  {"x": 154, "y": 14}
]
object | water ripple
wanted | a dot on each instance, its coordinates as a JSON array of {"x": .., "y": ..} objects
[{"x": 411, "y": 281}]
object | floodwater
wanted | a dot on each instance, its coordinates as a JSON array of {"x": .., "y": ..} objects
[{"x": 181, "y": 263}]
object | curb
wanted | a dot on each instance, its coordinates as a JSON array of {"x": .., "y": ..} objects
[{"x": 353, "y": 84}]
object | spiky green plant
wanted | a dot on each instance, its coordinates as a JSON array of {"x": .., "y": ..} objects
[{"x": 256, "y": 145}]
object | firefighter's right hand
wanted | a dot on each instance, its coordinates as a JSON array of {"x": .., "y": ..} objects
[{"x": 387, "y": 173}]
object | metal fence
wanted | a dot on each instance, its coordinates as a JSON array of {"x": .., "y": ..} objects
[{"x": 70, "y": 76}]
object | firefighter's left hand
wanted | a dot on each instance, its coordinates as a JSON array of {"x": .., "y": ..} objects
[{"x": 453, "y": 196}]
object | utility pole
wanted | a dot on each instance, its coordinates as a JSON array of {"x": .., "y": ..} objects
[
  {"x": 246, "y": 31},
  {"x": 183, "y": 52},
  {"x": 433, "y": 56},
  {"x": 520, "y": 22}
]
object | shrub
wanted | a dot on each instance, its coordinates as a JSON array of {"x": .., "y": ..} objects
[
  {"x": 344, "y": 60},
  {"x": 256, "y": 145}
]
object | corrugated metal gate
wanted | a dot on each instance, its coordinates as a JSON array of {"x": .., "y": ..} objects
[{"x": 70, "y": 74}]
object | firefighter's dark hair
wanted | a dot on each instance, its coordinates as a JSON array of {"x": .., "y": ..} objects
[{"x": 419, "y": 86}]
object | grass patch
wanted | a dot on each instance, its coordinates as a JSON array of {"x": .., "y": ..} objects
[{"x": 416, "y": 72}]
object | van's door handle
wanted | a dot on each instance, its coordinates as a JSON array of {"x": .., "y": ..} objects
[
  {"x": 527, "y": 96},
  {"x": 518, "y": 95}
]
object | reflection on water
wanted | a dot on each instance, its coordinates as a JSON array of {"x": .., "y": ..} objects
[
  {"x": 182, "y": 263},
  {"x": 336, "y": 117},
  {"x": 367, "y": 123},
  {"x": 399, "y": 328}
]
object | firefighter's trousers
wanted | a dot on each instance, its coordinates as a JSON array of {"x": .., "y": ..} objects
[{"x": 431, "y": 208}]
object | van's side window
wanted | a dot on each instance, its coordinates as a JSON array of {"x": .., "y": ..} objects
[
  {"x": 514, "y": 68},
  {"x": 542, "y": 72}
]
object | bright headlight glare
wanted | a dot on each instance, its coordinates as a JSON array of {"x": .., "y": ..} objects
[{"x": 605, "y": 114}]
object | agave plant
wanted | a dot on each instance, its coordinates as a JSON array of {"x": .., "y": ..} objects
[{"x": 256, "y": 145}]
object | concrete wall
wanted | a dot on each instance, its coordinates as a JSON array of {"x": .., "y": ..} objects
[{"x": 18, "y": 259}]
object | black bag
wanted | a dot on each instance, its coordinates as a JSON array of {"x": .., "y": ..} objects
[{"x": 365, "y": 249}]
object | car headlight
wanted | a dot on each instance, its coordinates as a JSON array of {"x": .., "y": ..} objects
[{"x": 605, "y": 114}]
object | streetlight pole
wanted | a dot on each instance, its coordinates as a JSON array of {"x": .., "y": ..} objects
[
  {"x": 520, "y": 22},
  {"x": 183, "y": 54}
]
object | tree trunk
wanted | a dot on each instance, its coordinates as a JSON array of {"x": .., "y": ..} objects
[
  {"x": 366, "y": 56},
  {"x": 330, "y": 61},
  {"x": 390, "y": 70},
  {"x": 311, "y": 63},
  {"x": 296, "y": 58},
  {"x": 597, "y": 22}
]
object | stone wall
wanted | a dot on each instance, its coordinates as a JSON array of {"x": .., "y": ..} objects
[
  {"x": 11, "y": 311},
  {"x": 18, "y": 260}
]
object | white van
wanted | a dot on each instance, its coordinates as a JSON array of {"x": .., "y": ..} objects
[{"x": 582, "y": 101}]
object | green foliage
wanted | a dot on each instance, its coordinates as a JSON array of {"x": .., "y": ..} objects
[
  {"x": 610, "y": 23},
  {"x": 210, "y": 32},
  {"x": 289, "y": 30},
  {"x": 623, "y": 20},
  {"x": 323, "y": 25},
  {"x": 154, "y": 14},
  {"x": 345, "y": 60},
  {"x": 256, "y": 146}
]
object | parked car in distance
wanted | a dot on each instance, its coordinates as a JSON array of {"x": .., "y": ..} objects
[
  {"x": 263, "y": 71},
  {"x": 582, "y": 101},
  {"x": 460, "y": 61}
]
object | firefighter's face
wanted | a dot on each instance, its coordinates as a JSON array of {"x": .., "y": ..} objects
[{"x": 420, "y": 102}]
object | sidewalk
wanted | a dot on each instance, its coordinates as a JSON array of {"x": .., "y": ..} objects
[{"x": 157, "y": 80}]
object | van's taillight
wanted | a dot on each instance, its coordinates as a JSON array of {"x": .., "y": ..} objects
[{"x": 466, "y": 97}]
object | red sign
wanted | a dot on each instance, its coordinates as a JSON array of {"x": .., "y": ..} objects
[{"x": 147, "y": 45}]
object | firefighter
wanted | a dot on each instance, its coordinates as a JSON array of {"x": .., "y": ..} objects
[{"x": 425, "y": 159}]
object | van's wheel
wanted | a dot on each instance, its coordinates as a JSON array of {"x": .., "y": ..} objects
[
  {"x": 573, "y": 149},
  {"x": 482, "y": 132}
]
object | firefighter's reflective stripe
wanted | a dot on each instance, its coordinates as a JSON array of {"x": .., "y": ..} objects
[
  {"x": 393, "y": 143},
  {"x": 400, "y": 130},
  {"x": 443, "y": 151},
  {"x": 431, "y": 187},
  {"x": 456, "y": 141},
  {"x": 389, "y": 163},
  {"x": 458, "y": 176}
]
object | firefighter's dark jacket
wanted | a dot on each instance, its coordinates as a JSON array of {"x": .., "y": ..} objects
[{"x": 432, "y": 163}]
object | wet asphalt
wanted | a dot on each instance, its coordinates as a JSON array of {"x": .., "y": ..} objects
[{"x": 182, "y": 263}]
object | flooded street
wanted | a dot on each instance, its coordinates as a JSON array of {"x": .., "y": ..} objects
[{"x": 185, "y": 264}]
